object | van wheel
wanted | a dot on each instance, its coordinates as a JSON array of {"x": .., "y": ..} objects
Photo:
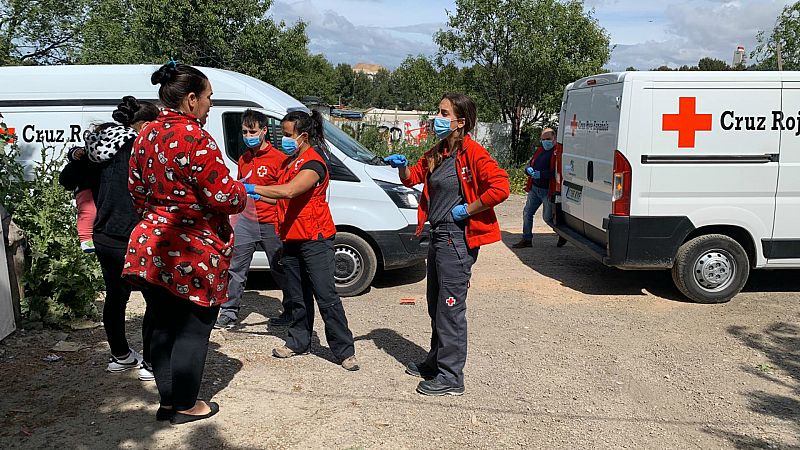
[
  {"x": 711, "y": 268},
  {"x": 356, "y": 264}
]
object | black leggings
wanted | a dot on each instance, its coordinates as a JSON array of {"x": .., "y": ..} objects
[
  {"x": 179, "y": 345},
  {"x": 118, "y": 292},
  {"x": 310, "y": 268}
]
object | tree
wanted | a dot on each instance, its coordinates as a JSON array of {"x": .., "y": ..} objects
[
  {"x": 40, "y": 31},
  {"x": 417, "y": 84},
  {"x": 527, "y": 51},
  {"x": 787, "y": 34},
  {"x": 343, "y": 84},
  {"x": 712, "y": 64},
  {"x": 236, "y": 36}
]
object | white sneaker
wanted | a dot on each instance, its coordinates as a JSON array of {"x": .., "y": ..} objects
[
  {"x": 133, "y": 361},
  {"x": 146, "y": 372}
]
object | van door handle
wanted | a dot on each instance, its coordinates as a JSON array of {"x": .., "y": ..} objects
[{"x": 590, "y": 172}]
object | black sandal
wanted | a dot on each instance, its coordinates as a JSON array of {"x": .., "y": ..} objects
[
  {"x": 181, "y": 418},
  {"x": 164, "y": 414}
]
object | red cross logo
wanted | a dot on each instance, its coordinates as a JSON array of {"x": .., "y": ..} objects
[
  {"x": 574, "y": 124},
  {"x": 687, "y": 122},
  {"x": 262, "y": 171},
  {"x": 450, "y": 301},
  {"x": 8, "y": 132}
]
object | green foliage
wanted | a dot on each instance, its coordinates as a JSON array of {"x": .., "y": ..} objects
[
  {"x": 41, "y": 31},
  {"x": 525, "y": 51},
  {"x": 61, "y": 282},
  {"x": 787, "y": 34}
]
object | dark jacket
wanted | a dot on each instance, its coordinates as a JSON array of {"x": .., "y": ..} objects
[{"x": 116, "y": 215}]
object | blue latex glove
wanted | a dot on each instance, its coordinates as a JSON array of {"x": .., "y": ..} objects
[
  {"x": 250, "y": 188},
  {"x": 459, "y": 212},
  {"x": 529, "y": 170},
  {"x": 396, "y": 161},
  {"x": 255, "y": 197},
  {"x": 536, "y": 175}
]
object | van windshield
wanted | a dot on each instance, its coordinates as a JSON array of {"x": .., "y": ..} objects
[{"x": 349, "y": 146}]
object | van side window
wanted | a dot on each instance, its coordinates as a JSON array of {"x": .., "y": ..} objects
[{"x": 232, "y": 128}]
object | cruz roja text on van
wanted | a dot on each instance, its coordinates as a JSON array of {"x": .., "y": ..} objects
[
  {"x": 31, "y": 134},
  {"x": 730, "y": 121}
]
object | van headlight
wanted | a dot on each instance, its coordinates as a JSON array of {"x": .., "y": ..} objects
[{"x": 402, "y": 196}]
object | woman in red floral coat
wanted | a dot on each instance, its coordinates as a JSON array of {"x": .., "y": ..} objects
[{"x": 180, "y": 250}]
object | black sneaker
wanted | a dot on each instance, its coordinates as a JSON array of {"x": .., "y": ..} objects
[
  {"x": 284, "y": 320},
  {"x": 224, "y": 322},
  {"x": 436, "y": 388},
  {"x": 524, "y": 243},
  {"x": 420, "y": 370},
  {"x": 561, "y": 242}
]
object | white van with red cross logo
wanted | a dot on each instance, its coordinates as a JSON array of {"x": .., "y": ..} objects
[{"x": 697, "y": 172}]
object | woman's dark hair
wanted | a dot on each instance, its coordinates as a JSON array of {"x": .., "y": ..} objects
[
  {"x": 131, "y": 111},
  {"x": 177, "y": 81},
  {"x": 254, "y": 119},
  {"x": 464, "y": 108},
  {"x": 308, "y": 123}
]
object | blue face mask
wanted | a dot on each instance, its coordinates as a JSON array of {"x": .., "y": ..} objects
[
  {"x": 548, "y": 145},
  {"x": 288, "y": 145},
  {"x": 252, "y": 141},
  {"x": 441, "y": 126}
]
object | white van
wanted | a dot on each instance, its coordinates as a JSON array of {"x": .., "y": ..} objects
[
  {"x": 698, "y": 172},
  {"x": 375, "y": 215}
]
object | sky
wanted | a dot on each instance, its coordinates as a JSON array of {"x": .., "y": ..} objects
[{"x": 644, "y": 33}]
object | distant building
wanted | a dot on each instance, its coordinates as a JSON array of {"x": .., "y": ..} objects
[
  {"x": 368, "y": 69},
  {"x": 738, "y": 56}
]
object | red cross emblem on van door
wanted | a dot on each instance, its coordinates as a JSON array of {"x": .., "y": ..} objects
[{"x": 687, "y": 122}]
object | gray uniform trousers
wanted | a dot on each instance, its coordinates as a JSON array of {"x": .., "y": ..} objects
[{"x": 449, "y": 270}]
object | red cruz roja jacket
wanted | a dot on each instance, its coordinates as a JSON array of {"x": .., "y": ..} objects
[
  {"x": 481, "y": 178},
  {"x": 306, "y": 217}
]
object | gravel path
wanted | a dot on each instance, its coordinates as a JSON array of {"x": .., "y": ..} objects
[{"x": 564, "y": 353}]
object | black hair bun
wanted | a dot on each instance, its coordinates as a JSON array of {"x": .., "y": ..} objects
[
  {"x": 164, "y": 74},
  {"x": 126, "y": 111}
]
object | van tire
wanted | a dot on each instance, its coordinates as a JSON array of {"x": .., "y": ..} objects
[
  {"x": 355, "y": 262},
  {"x": 728, "y": 273}
]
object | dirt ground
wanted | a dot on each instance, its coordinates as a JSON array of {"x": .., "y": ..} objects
[{"x": 564, "y": 353}]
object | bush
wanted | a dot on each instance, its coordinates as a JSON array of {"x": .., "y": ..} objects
[{"x": 60, "y": 281}]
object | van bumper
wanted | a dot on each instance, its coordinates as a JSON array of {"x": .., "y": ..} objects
[
  {"x": 635, "y": 242},
  {"x": 402, "y": 248}
]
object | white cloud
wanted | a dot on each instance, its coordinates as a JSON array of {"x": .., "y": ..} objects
[
  {"x": 698, "y": 29},
  {"x": 342, "y": 41}
]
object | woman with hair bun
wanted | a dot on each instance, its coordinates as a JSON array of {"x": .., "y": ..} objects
[
  {"x": 108, "y": 147},
  {"x": 306, "y": 228},
  {"x": 180, "y": 250}
]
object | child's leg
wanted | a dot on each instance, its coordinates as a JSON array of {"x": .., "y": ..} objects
[{"x": 86, "y": 214}]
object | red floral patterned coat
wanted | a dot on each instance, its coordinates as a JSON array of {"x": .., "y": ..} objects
[{"x": 184, "y": 192}]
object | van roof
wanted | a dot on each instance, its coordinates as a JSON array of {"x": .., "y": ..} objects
[
  {"x": 93, "y": 84},
  {"x": 733, "y": 75}
]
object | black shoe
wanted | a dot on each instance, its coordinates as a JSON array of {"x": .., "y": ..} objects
[
  {"x": 284, "y": 320},
  {"x": 420, "y": 370},
  {"x": 524, "y": 243},
  {"x": 437, "y": 389},
  {"x": 225, "y": 322},
  {"x": 164, "y": 414},
  {"x": 561, "y": 242},
  {"x": 180, "y": 418}
]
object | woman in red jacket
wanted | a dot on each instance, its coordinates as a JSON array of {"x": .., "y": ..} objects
[
  {"x": 306, "y": 228},
  {"x": 461, "y": 185},
  {"x": 180, "y": 250}
]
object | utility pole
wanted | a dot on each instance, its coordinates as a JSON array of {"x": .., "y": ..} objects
[{"x": 779, "y": 56}]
